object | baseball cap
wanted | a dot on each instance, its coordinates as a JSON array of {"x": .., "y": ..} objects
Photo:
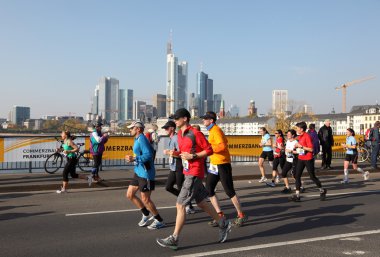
[
  {"x": 209, "y": 115},
  {"x": 181, "y": 113},
  {"x": 137, "y": 123},
  {"x": 169, "y": 124}
]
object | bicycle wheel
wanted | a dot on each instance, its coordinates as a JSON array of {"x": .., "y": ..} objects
[
  {"x": 53, "y": 163},
  {"x": 362, "y": 154},
  {"x": 85, "y": 162}
]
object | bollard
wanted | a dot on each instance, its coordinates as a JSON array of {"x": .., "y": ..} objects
[
  {"x": 163, "y": 162},
  {"x": 30, "y": 166}
]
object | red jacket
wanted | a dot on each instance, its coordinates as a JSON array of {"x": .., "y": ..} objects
[
  {"x": 189, "y": 139},
  {"x": 306, "y": 141}
]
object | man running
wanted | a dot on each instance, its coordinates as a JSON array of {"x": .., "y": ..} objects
[
  {"x": 143, "y": 179},
  {"x": 220, "y": 169},
  {"x": 193, "y": 148},
  {"x": 304, "y": 149}
]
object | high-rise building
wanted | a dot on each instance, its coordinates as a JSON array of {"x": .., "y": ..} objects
[
  {"x": 205, "y": 93},
  {"x": 108, "y": 98},
  {"x": 19, "y": 114},
  {"x": 139, "y": 109},
  {"x": 159, "y": 101},
  {"x": 193, "y": 105},
  {"x": 307, "y": 109},
  {"x": 217, "y": 102},
  {"x": 234, "y": 111},
  {"x": 125, "y": 104},
  {"x": 176, "y": 82},
  {"x": 279, "y": 101}
]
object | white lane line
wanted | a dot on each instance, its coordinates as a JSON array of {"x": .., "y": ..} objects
[
  {"x": 262, "y": 246},
  {"x": 115, "y": 211},
  {"x": 346, "y": 193}
]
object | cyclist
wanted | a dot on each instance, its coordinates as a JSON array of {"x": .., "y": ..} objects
[
  {"x": 69, "y": 149},
  {"x": 351, "y": 156},
  {"x": 97, "y": 141},
  {"x": 266, "y": 144},
  {"x": 220, "y": 170}
]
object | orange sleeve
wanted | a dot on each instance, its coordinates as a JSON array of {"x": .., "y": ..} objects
[{"x": 219, "y": 142}]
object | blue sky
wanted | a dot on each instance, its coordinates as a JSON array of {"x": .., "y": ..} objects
[{"x": 52, "y": 53}]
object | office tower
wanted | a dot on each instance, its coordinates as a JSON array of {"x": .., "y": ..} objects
[
  {"x": 125, "y": 104},
  {"x": 159, "y": 101},
  {"x": 176, "y": 85},
  {"x": 139, "y": 109},
  {"x": 307, "y": 109},
  {"x": 279, "y": 101},
  {"x": 108, "y": 98},
  {"x": 217, "y": 102},
  {"x": 95, "y": 100},
  {"x": 19, "y": 114},
  {"x": 252, "y": 110},
  {"x": 234, "y": 110},
  {"x": 205, "y": 93}
]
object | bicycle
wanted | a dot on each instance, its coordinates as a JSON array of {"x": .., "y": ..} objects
[
  {"x": 364, "y": 153},
  {"x": 54, "y": 161}
]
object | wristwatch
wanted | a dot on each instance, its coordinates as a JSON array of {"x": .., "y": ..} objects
[{"x": 195, "y": 156}]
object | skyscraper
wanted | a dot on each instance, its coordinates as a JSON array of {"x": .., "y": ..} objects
[
  {"x": 176, "y": 82},
  {"x": 159, "y": 101},
  {"x": 217, "y": 102},
  {"x": 205, "y": 93},
  {"x": 125, "y": 104},
  {"x": 19, "y": 114},
  {"x": 139, "y": 109},
  {"x": 279, "y": 101},
  {"x": 108, "y": 98}
]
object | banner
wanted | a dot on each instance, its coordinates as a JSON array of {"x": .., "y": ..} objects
[
  {"x": 116, "y": 147},
  {"x": 244, "y": 145}
]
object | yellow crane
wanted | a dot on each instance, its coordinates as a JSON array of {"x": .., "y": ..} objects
[{"x": 348, "y": 84}]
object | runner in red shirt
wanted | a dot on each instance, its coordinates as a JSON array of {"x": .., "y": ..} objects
[
  {"x": 304, "y": 149},
  {"x": 194, "y": 148}
]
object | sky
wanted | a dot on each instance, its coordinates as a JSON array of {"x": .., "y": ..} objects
[{"x": 52, "y": 53}]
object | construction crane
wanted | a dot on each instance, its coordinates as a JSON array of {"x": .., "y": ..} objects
[{"x": 348, "y": 84}]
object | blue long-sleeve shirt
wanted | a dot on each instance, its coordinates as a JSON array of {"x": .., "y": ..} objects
[{"x": 143, "y": 157}]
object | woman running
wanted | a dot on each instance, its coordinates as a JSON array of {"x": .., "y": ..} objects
[
  {"x": 291, "y": 158},
  {"x": 279, "y": 157},
  {"x": 351, "y": 156},
  {"x": 266, "y": 144},
  {"x": 70, "y": 149}
]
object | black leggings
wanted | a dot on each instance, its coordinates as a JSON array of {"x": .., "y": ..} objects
[
  {"x": 70, "y": 169},
  {"x": 278, "y": 161},
  {"x": 309, "y": 164},
  {"x": 175, "y": 177},
  {"x": 289, "y": 166},
  {"x": 96, "y": 165},
  {"x": 225, "y": 177}
]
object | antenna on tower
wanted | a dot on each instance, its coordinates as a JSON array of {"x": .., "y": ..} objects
[{"x": 169, "y": 49}]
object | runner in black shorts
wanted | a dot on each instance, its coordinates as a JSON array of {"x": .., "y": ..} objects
[
  {"x": 266, "y": 144},
  {"x": 279, "y": 157}
]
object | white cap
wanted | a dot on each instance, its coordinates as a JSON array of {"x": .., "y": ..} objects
[{"x": 137, "y": 123}]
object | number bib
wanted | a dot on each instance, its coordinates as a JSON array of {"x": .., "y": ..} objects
[
  {"x": 213, "y": 169},
  {"x": 185, "y": 164}
]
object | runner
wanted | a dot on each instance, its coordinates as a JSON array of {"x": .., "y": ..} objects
[
  {"x": 175, "y": 164},
  {"x": 97, "y": 141},
  {"x": 279, "y": 157},
  {"x": 266, "y": 144},
  {"x": 351, "y": 156},
  {"x": 143, "y": 179},
  {"x": 305, "y": 159},
  {"x": 70, "y": 149},
  {"x": 193, "y": 148},
  {"x": 291, "y": 159},
  {"x": 220, "y": 170}
]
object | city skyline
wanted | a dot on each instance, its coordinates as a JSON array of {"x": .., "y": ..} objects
[{"x": 250, "y": 48}]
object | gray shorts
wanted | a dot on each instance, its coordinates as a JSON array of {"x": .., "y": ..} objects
[{"x": 192, "y": 188}]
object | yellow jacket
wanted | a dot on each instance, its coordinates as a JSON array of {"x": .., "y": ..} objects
[{"x": 219, "y": 144}]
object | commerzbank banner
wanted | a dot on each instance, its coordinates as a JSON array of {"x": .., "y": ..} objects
[{"x": 25, "y": 149}]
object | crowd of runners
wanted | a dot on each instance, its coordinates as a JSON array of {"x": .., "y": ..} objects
[{"x": 188, "y": 149}]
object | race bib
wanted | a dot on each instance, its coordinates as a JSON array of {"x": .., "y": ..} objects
[
  {"x": 289, "y": 159},
  {"x": 171, "y": 160},
  {"x": 300, "y": 151},
  {"x": 185, "y": 164},
  {"x": 213, "y": 169}
]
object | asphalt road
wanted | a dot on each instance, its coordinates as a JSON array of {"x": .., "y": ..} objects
[{"x": 101, "y": 222}]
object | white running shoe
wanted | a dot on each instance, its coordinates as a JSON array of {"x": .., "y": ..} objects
[
  {"x": 277, "y": 180},
  {"x": 263, "y": 179},
  {"x": 189, "y": 210},
  {"x": 62, "y": 190},
  {"x": 156, "y": 225},
  {"x": 145, "y": 220},
  {"x": 89, "y": 180},
  {"x": 366, "y": 175}
]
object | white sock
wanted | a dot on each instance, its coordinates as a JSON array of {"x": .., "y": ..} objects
[
  {"x": 297, "y": 193},
  {"x": 346, "y": 173}
]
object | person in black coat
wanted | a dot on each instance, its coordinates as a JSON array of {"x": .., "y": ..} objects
[{"x": 326, "y": 139}]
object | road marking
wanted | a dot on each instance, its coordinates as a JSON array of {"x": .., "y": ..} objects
[
  {"x": 115, "y": 211},
  {"x": 347, "y": 193},
  {"x": 302, "y": 241}
]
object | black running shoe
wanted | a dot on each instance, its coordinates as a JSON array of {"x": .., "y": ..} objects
[
  {"x": 295, "y": 198},
  {"x": 286, "y": 190},
  {"x": 322, "y": 195}
]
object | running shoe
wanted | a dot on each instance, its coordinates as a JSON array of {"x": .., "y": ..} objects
[
  {"x": 322, "y": 195},
  {"x": 286, "y": 190},
  {"x": 156, "y": 225},
  {"x": 145, "y": 220},
  {"x": 277, "y": 180},
  {"x": 295, "y": 198},
  {"x": 189, "y": 210},
  {"x": 271, "y": 184},
  {"x": 89, "y": 180},
  {"x": 238, "y": 222},
  {"x": 263, "y": 179},
  {"x": 169, "y": 242},
  {"x": 213, "y": 223},
  {"x": 366, "y": 175},
  {"x": 345, "y": 181},
  {"x": 225, "y": 227},
  {"x": 302, "y": 189},
  {"x": 61, "y": 191}
]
